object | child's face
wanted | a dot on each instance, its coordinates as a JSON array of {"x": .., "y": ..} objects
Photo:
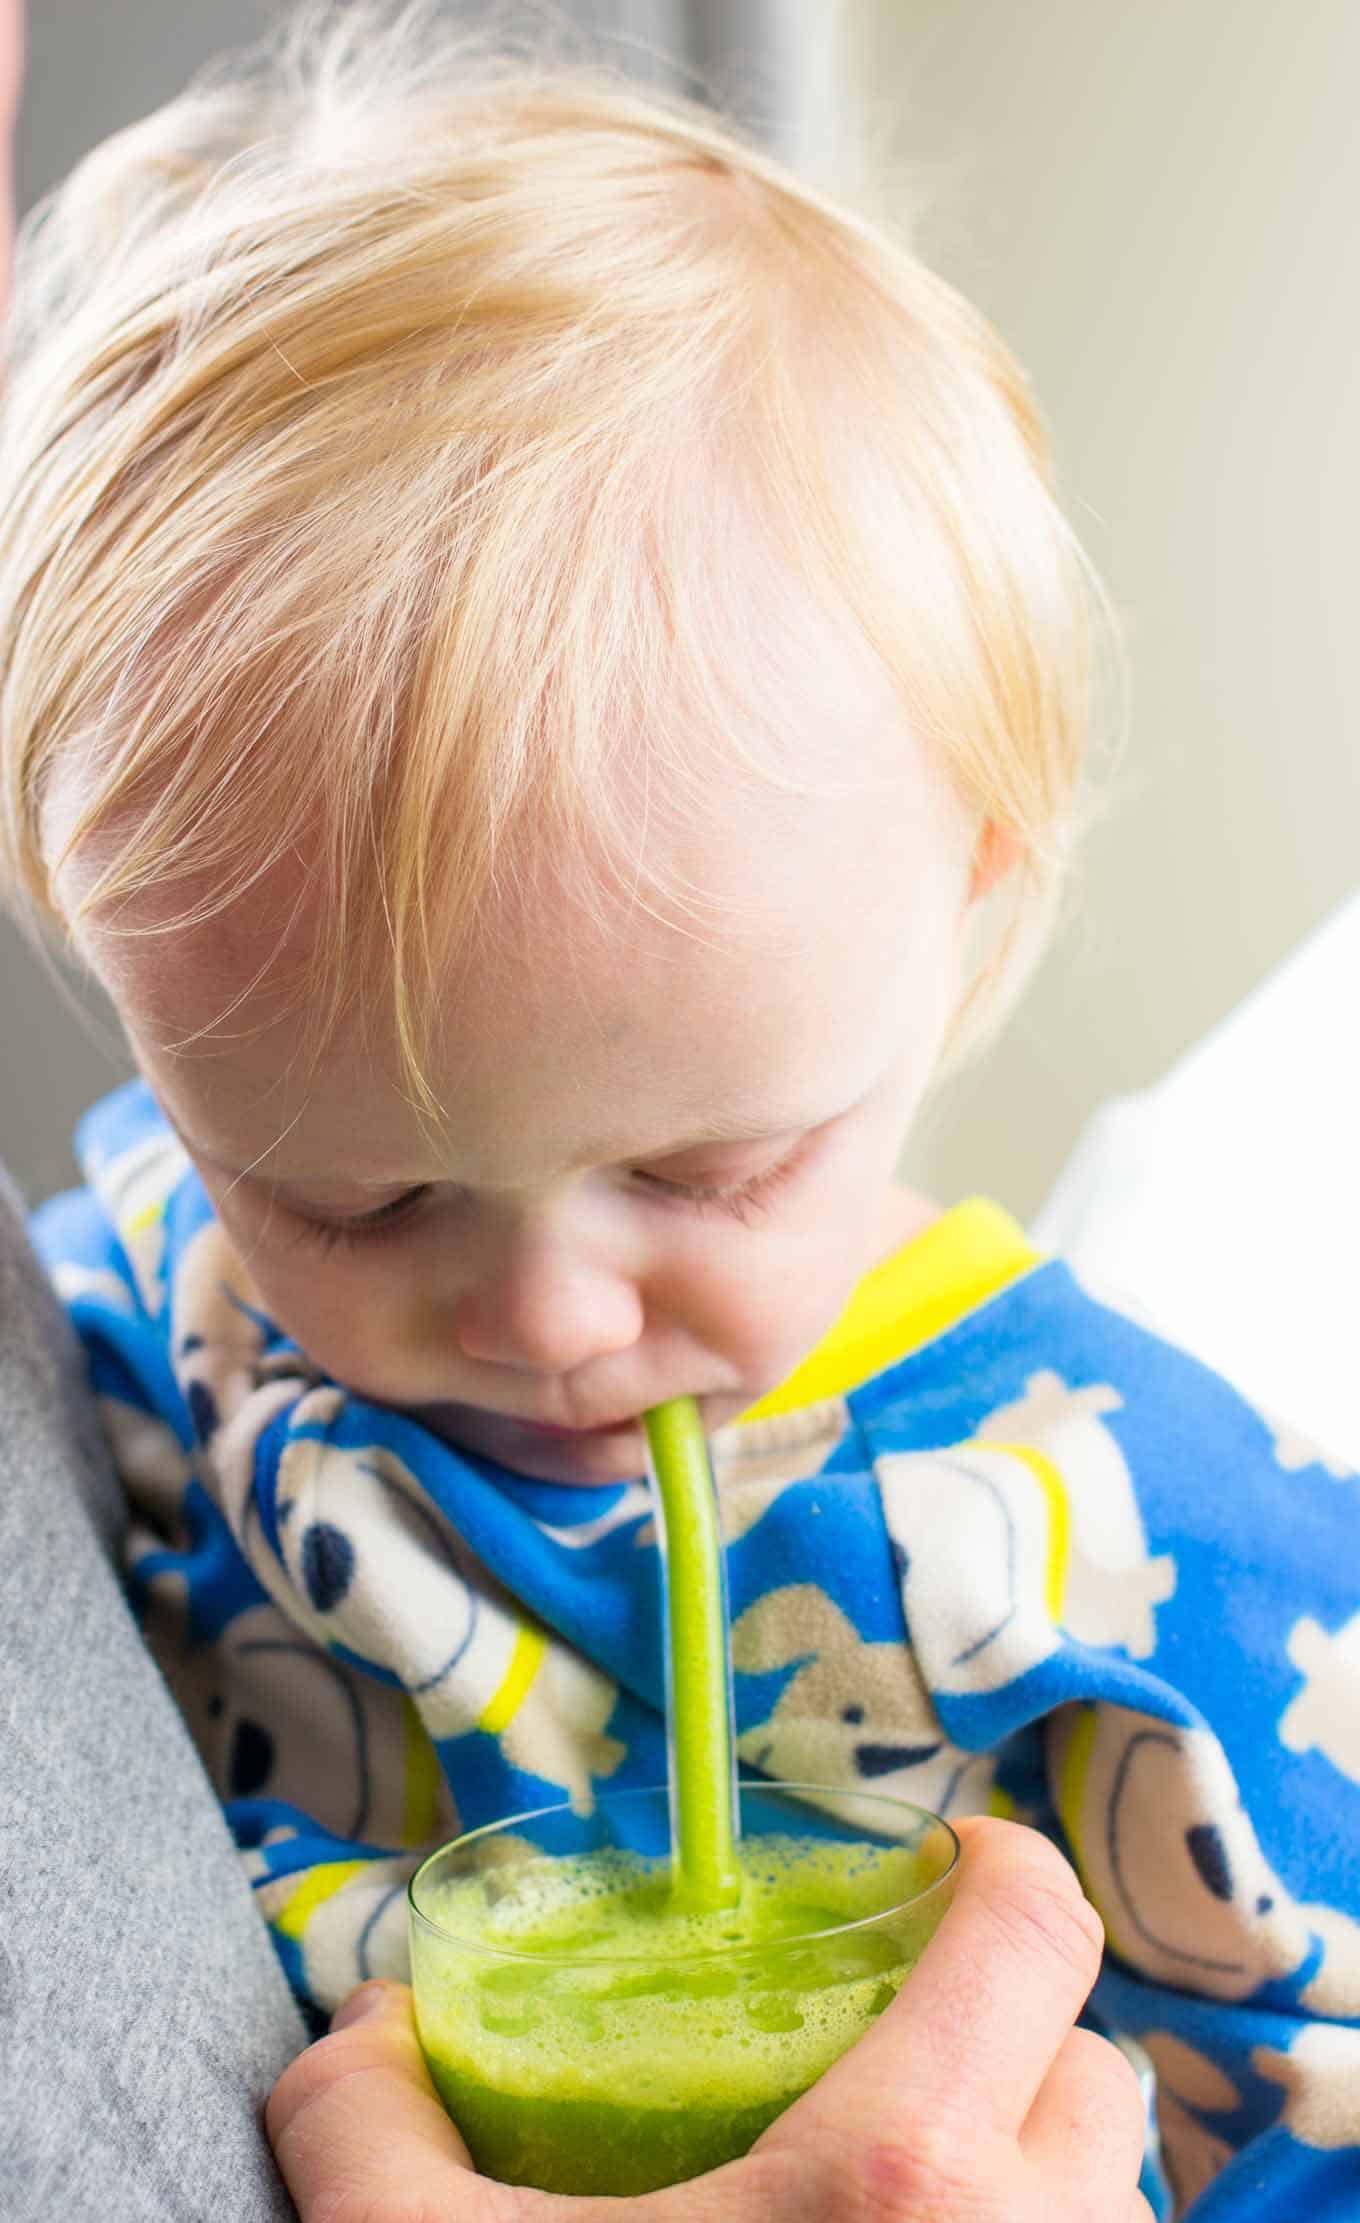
[{"x": 669, "y": 1148}]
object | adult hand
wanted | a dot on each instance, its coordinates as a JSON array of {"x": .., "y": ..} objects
[{"x": 971, "y": 2100}]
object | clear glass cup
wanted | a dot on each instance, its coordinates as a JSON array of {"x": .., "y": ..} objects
[{"x": 586, "y": 2038}]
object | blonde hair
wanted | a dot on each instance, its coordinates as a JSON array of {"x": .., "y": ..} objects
[{"x": 368, "y": 412}]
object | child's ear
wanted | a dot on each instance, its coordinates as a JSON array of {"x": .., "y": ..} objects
[{"x": 996, "y": 852}]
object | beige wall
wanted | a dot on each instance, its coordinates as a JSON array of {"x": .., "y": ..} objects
[
  {"x": 53, "y": 1064},
  {"x": 1157, "y": 202}
]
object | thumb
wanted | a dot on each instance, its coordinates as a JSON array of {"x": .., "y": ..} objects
[{"x": 356, "y": 2114}]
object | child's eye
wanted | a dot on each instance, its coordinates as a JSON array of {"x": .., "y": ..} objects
[
  {"x": 369, "y": 1225},
  {"x": 741, "y": 1202}
]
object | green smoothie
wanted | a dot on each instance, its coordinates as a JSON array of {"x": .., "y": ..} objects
[
  {"x": 588, "y": 2037},
  {"x": 606, "y": 2020}
]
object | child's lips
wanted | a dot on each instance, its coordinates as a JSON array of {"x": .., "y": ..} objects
[
  {"x": 552, "y": 1429},
  {"x": 456, "y": 1417},
  {"x": 512, "y": 1437}
]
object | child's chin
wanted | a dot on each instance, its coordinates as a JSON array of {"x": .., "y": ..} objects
[{"x": 590, "y": 1460}]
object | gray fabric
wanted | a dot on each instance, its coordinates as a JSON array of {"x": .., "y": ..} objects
[{"x": 143, "y": 2016}]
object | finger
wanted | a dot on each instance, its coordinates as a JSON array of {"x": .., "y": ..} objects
[
  {"x": 1088, "y": 2126},
  {"x": 355, "y": 2120},
  {"x": 975, "y": 2029}
]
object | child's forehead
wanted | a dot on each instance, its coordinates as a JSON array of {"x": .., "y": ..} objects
[
  {"x": 592, "y": 1020},
  {"x": 597, "y": 1058},
  {"x": 800, "y": 774}
]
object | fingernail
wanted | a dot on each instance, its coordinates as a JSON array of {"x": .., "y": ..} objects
[{"x": 368, "y": 2000}]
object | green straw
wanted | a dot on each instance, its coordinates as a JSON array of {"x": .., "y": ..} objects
[{"x": 698, "y": 1667}]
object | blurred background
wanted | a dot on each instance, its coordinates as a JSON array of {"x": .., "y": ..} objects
[{"x": 1154, "y": 205}]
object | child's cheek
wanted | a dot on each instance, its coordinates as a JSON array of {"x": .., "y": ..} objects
[
  {"x": 356, "y": 1317},
  {"x": 762, "y": 1295},
  {"x": 336, "y": 1304}
]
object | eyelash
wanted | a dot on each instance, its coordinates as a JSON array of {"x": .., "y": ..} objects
[
  {"x": 742, "y": 1203},
  {"x": 329, "y": 1235}
]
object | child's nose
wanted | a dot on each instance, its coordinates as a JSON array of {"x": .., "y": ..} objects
[{"x": 542, "y": 1311}]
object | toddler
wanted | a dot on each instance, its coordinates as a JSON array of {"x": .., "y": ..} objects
[{"x": 543, "y": 674}]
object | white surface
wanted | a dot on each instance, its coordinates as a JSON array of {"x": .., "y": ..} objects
[{"x": 1226, "y": 1200}]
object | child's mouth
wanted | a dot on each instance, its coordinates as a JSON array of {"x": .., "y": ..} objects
[
  {"x": 547, "y": 1450},
  {"x": 549, "y": 1428}
]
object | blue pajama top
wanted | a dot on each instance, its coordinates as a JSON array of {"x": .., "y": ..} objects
[{"x": 994, "y": 1546}]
